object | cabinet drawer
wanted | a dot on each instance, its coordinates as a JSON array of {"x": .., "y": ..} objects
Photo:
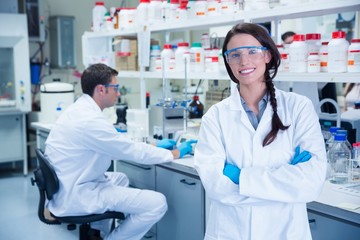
[
  {"x": 185, "y": 218},
  {"x": 326, "y": 227},
  {"x": 141, "y": 176},
  {"x": 12, "y": 138}
]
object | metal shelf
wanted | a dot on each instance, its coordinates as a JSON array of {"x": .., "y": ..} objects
[{"x": 281, "y": 76}]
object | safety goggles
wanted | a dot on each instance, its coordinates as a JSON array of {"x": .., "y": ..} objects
[
  {"x": 234, "y": 56},
  {"x": 115, "y": 86}
]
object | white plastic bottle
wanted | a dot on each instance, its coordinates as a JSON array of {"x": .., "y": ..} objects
[
  {"x": 155, "y": 53},
  {"x": 182, "y": 53},
  {"x": 142, "y": 12},
  {"x": 197, "y": 58},
  {"x": 313, "y": 62},
  {"x": 191, "y": 9},
  {"x": 213, "y": 7},
  {"x": 354, "y": 56},
  {"x": 181, "y": 12},
  {"x": 154, "y": 11},
  {"x": 284, "y": 65},
  {"x": 337, "y": 53},
  {"x": 323, "y": 56},
  {"x": 212, "y": 60},
  {"x": 173, "y": 8},
  {"x": 227, "y": 7},
  {"x": 205, "y": 40},
  {"x": 280, "y": 48},
  {"x": 313, "y": 42},
  {"x": 298, "y": 54},
  {"x": 166, "y": 55},
  {"x": 165, "y": 6},
  {"x": 200, "y": 8},
  {"x": 221, "y": 64},
  {"x": 256, "y": 4},
  {"x": 98, "y": 14}
]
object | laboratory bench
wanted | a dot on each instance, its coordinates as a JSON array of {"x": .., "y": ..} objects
[{"x": 334, "y": 215}]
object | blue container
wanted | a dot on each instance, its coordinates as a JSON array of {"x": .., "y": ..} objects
[{"x": 35, "y": 69}]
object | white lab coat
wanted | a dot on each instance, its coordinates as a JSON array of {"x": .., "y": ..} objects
[
  {"x": 81, "y": 146},
  {"x": 270, "y": 201}
]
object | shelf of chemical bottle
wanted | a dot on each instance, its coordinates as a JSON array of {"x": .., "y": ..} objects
[
  {"x": 281, "y": 12},
  {"x": 302, "y": 10},
  {"x": 111, "y": 33},
  {"x": 281, "y": 76}
]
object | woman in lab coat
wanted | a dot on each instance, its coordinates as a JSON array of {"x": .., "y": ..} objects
[
  {"x": 81, "y": 146},
  {"x": 246, "y": 158}
]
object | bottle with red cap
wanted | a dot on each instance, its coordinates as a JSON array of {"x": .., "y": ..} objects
[
  {"x": 313, "y": 62},
  {"x": 167, "y": 56},
  {"x": 323, "y": 56},
  {"x": 298, "y": 54},
  {"x": 98, "y": 14},
  {"x": 313, "y": 42},
  {"x": 338, "y": 53},
  {"x": 354, "y": 56},
  {"x": 142, "y": 12},
  {"x": 182, "y": 55}
]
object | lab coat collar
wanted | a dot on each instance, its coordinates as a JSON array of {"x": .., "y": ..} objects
[
  {"x": 235, "y": 101},
  {"x": 88, "y": 99}
]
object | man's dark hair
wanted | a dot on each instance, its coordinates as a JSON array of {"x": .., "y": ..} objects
[
  {"x": 286, "y": 35},
  {"x": 94, "y": 75}
]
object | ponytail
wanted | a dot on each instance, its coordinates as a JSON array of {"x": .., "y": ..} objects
[{"x": 276, "y": 123}]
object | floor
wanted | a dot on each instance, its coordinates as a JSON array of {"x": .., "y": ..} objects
[{"x": 18, "y": 209}]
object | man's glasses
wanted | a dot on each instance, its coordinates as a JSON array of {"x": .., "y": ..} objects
[
  {"x": 115, "y": 86},
  {"x": 234, "y": 56}
]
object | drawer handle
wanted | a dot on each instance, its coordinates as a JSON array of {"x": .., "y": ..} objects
[
  {"x": 134, "y": 165},
  {"x": 312, "y": 220},
  {"x": 186, "y": 182}
]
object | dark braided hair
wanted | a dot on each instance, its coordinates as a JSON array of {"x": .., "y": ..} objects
[{"x": 262, "y": 35}]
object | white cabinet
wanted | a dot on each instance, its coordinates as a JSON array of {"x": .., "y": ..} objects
[
  {"x": 140, "y": 176},
  {"x": 328, "y": 227},
  {"x": 185, "y": 218},
  {"x": 13, "y": 145}
]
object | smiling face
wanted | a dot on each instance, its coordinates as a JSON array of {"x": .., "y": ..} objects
[{"x": 250, "y": 68}]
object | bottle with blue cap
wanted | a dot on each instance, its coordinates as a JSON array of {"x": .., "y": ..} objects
[
  {"x": 338, "y": 158},
  {"x": 345, "y": 132},
  {"x": 330, "y": 140}
]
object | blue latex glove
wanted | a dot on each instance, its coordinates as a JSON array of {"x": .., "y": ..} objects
[
  {"x": 185, "y": 147},
  {"x": 232, "y": 172},
  {"x": 300, "y": 157},
  {"x": 166, "y": 143}
]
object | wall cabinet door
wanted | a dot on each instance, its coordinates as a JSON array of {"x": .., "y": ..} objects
[
  {"x": 326, "y": 227},
  {"x": 12, "y": 138},
  {"x": 185, "y": 218}
]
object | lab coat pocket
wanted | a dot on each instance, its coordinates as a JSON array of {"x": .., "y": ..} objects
[{"x": 278, "y": 157}]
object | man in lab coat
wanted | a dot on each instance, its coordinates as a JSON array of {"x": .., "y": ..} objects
[{"x": 81, "y": 147}]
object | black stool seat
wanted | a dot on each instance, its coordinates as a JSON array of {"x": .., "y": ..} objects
[{"x": 48, "y": 184}]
